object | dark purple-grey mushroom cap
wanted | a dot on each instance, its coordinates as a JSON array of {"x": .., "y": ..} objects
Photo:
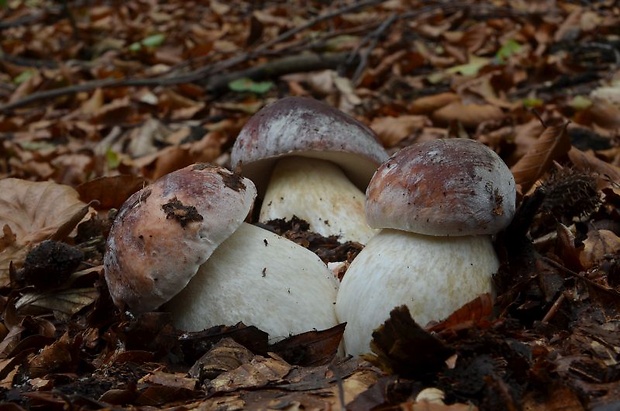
[
  {"x": 306, "y": 127},
  {"x": 445, "y": 187}
]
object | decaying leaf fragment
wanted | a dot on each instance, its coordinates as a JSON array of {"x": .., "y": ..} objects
[
  {"x": 393, "y": 346},
  {"x": 599, "y": 244},
  {"x": 259, "y": 372},
  {"x": 64, "y": 303}
]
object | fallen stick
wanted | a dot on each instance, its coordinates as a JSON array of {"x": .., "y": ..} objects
[{"x": 214, "y": 83}]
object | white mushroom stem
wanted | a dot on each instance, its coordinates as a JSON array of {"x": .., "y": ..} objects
[
  {"x": 432, "y": 276},
  {"x": 261, "y": 279},
  {"x": 318, "y": 192}
]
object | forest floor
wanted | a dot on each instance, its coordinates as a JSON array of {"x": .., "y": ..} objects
[{"x": 99, "y": 98}]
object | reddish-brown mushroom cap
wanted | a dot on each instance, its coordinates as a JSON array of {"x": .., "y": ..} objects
[
  {"x": 306, "y": 127},
  {"x": 164, "y": 232},
  {"x": 447, "y": 187}
]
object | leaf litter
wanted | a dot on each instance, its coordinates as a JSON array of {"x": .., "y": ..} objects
[{"x": 100, "y": 99}]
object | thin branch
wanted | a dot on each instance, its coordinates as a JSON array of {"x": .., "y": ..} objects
[
  {"x": 276, "y": 68},
  {"x": 374, "y": 39},
  {"x": 271, "y": 69}
]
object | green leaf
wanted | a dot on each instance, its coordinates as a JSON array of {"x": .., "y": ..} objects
[
  {"x": 23, "y": 76},
  {"x": 152, "y": 41},
  {"x": 532, "y": 102},
  {"x": 113, "y": 159},
  {"x": 246, "y": 84},
  {"x": 135, "y": 46},
  {"x": 471, "y": 68},
  {"x": 508, "y": 49},
  {"x": 580, "y": 103},
  {"x": 155, "y": 40}
]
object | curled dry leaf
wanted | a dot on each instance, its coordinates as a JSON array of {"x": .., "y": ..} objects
[
  {"x": 469, "y": 115},
  {"x": 226, "y": 355},
  {"x": 259, "y": 372},
  {"x": 391, "y": 130},
  {"x": 428, "y": 104},
  {"x": 588, "y": 162},
  {"x": 173, "y": 380},
  {"x": 598, "y": 244},
  {"x": 472, "y": 314},
  {"x": 393, "y": 346},
  {"x": 64, "y": 303},
  {"x": 33, "y": 212},
  {"x": 552, "y": 144},
  {"x": 56, "y": 357},
  {"x": 110, "y": 192}
]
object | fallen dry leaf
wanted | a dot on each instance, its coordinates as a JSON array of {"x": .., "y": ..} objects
[
  {"x": 428, "y": 104},
  {"x": 552, "y": 144},
  {"x": 34, "y": 211},
  {"x": 110, "y": 192},
  {"x": 260, "y": 371},
  {"x": 64, "y": 302},
  {"x": 469, "y": 115},
  {"x": 588, "y": 162},
  {"x": 598, "y": 245},
  {"x": 401, "y": 346},
  {"x": 391, "y": 130}
]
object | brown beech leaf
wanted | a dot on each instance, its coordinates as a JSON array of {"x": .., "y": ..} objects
[
  {"x": 469, "y": 115},
  {"x": 173, "y": 380},
  {"x": 310, "y": 348},
  {"x": 552, "y": 144},
  {"x": 585, "y": 161},
  {"x": 259, "y": 372},
  {"x": 226, "y": 355},
  {"x": 401, "y": 346},
  {"x": 392, "y": 130},
  {"x": 473, "y": 313},
  {"x": 56, "y": 357},
  {"x": 64, "y": 302},
  {"x": 110, "y": 192},
  {"x": 560, "y": 397},
  {"x": 598, "y": 244},
  {"x": 34, "y": 211},
  {"x": 428, "y": 104}
]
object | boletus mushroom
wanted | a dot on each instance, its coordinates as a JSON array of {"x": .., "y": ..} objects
[
  {"x": 437, "y": 204},
  {"x": 182, "y": 243},
  {"x": 312, "y": 161}
]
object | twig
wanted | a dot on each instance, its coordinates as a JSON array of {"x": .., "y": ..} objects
[
  {"x": 594, "y": 284},
  {"x": 374, "y": 36},
  {"x": 276, "y": 68},
  {"x": 270, "y": 69},
  {"x": 554, "y": 308}
]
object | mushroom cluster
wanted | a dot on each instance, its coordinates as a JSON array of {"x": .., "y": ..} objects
[
  {"x": 427, "y": 217},
  {"x": 312, "y": 161},
  {"x": 182, "y": 242},
  {"x": 437, "y": 204}
]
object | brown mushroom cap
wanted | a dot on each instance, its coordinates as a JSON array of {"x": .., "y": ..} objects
[
  {"x": 447, "y": 187},
  {"x": 306, "y": 127},
  {"x": 164, "y": 232}
]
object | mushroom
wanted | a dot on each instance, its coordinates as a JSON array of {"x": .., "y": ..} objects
[
  {"x": 182, "y": 242},
  {"x": 437, "y": 203},
  {"x": 312, "y": 161}
]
